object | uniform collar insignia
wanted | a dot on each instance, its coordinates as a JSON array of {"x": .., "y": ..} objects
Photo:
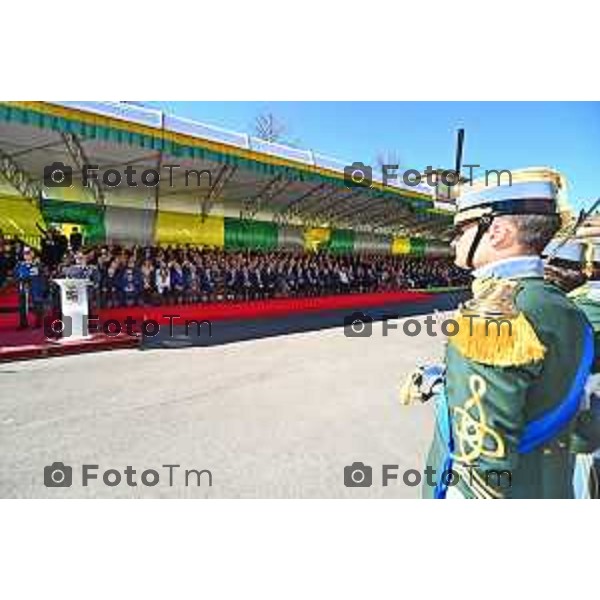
[
  {"x": 492, "y": 297},
  {"x": 516, "y": 267}
]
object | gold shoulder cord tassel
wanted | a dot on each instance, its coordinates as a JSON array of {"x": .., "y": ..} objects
[
  {"x": 491, "y": 329},
  {"x": 498, "y": 341}
]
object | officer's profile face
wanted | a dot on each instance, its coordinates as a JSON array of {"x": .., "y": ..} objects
[{"x": 499, "y": 241}]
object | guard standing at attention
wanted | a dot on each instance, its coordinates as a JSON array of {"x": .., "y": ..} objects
[{"x": 516, "y": 366}]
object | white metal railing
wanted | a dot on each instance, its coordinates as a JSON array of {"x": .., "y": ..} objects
[
  {"x": 304, "y": 156},
  {"x": 209, "y": 132},
  {"x": 447, "y": 206},
  {"x": 119, "y": 110},
  {"x": 155, "y": 118},
  {"x": 398, "y": 182},
  {"x": 328, "y": 162}
]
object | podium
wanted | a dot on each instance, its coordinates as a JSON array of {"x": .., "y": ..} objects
[{"x": 74, "y": 306}]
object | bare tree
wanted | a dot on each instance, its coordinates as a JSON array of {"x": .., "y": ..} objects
[{"x": 267, "y": 127}]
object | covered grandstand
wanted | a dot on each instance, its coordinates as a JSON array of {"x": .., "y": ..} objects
[{"x": 255, "y": 195}]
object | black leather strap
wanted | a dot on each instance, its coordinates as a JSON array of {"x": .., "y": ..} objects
[{"x": 482, "y": 226}]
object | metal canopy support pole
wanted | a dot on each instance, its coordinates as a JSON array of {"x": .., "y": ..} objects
[
  {"x": 325, "y": 210},
  {"x": 75, "y": 147},
  {"x": 46, "y": 146},
  {"x": 288, "y": 210},
  {"x": 117, "y": 165},
  {"x": 367, "y": 209},
  {"x": 312, "y": 207},
  {"x": 392, "y": 217},
  {"x": 273, "y": 188},
  {"x": 223, "y": 177},
  {"x": 359, "y": 207},
  {"x": 18, "y": 178},
  {"x": 347, "y": 208},
  {"x": 277, "y": 190},
  {"x": 159, "y": 160}
]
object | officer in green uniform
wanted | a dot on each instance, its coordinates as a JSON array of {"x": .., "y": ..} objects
[
  {"x": 563, "y": 263},
  {"x": 587, "y": 297},
  {"x": 565, "y": 267},
  {"x": 516, "y": 366}
]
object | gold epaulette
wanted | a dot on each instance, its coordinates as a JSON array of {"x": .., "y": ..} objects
[{"x": 491, "y": 329}]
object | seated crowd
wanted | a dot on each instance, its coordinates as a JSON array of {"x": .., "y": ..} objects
[{"x": 154, "y": 275}]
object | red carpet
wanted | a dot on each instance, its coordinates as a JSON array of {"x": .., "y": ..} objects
[
  {"x": 9, "y": 301},
  {"x": 9, "y": 297},
  {"x": 18, "y": 345},
  {"x": 32, "y": 342},
  {"x": 218, "y": 311}
]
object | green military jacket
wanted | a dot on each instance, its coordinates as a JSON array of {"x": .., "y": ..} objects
[
  {"x": 587, "y": 433},
  {"x": 498, "y": 383},
  {"x": 588, "y": 300}
]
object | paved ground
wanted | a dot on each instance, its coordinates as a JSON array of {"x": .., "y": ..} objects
[{"x": 271, "y": 418}]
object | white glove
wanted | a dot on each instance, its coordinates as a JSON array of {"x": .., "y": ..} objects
[{"x": 422, "y": 384}]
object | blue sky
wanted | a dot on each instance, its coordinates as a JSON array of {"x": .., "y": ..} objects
[{"x": 499, "y": 135}]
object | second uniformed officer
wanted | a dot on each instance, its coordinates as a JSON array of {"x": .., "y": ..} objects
[{"x": 587, "y": 297}]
